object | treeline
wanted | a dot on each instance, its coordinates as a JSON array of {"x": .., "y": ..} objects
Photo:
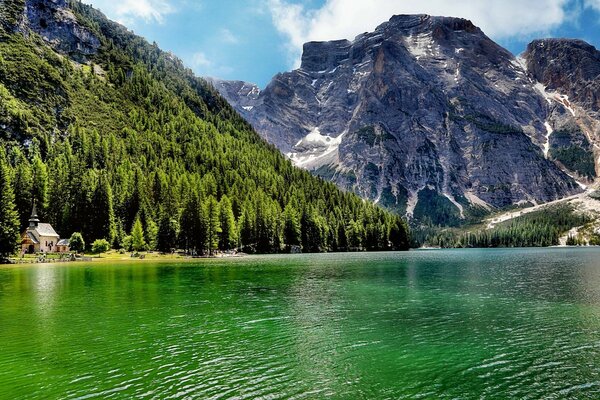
[
  {"x": 537, "y": 229},
  {"x": 137, "y": 141},
  {"x": 580, "y": 240}
]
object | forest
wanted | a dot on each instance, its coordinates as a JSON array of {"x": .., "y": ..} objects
[
  {"x": 536, "y": 229},
  {"x": 131, "y": 141}
]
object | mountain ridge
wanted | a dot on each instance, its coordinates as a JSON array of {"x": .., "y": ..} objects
[{"x": 404, "y": 115}]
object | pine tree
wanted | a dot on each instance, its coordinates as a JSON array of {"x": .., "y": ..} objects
[
  {"x": 399, "y": 237},
  {"x": 57, "y": 192},
  {"x": 265, "y": 224},
  {"x": 214, "y": 224},
  {"x": 102, "y": 219},
  {"x": 23, "y": 183},
  {"x": 9, "y": 218},
  {"x": 246, "y": 226},
  {"x": 356, "y": 234},
  {"x": 228, "y": 235},
  {"x": 193, "y": 225},
  {"x": 40, "y": 185},
  {"x": 314, "y": 231},
  {"x": 151, "y": 234},
  {"x": 168, "y": 229},
  {"x": 137, "y": 236},
  {"x": 292, "y": 230}
]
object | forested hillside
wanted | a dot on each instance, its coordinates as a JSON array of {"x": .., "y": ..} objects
[
  {"x": 536, "y": 229},
  {"x": 106, "y": 129}
]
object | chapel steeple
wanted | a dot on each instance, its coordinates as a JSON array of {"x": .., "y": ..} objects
[{"x": 34, "y": 220}]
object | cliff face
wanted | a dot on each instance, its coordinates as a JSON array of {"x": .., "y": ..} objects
[
  {"x": 54, "y": 22},
  {"x": 567, "y": 74},
  {"x": 571, "y": 67},
  {"x": 429, "y": 117}
]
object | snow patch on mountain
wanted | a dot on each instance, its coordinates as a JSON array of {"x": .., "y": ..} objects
[
  {"x": 557, "y": 97},
  {"x": 315, "y": 150},
  {"x": 549, "y": 131},
  {"x": 421, "y": 45}
]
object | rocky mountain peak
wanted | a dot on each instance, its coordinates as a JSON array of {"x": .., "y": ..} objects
[
  {"x": 429, "y": 117},
  {"x": 326, "y": 56},
  {"x": 323, "y": 56},
  {"x": 423, "y": 22},
  {"x": 569, "y": 66}
]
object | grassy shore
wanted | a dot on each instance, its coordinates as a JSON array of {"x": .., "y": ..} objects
[{"x": 113, "y": 255}]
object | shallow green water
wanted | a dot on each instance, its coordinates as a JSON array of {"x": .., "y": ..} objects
[{"x": 428, "y": 324}]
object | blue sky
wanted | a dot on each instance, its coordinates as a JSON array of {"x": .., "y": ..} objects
[{"x": 252, "y": 40}]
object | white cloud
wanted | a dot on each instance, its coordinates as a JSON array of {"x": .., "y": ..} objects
[
  {"x": 228, "y": 37},
  {"x": 204, "y": 65},
  {"x": 344, "y": 19},
  {"x": 595, "y": 4},
  {"x": 128, "y": 12},
  {"x": 201, "y": 61}
]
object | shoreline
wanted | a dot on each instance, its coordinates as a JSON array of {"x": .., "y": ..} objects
[
  {"x": 155, "y": 257},
  {"x": 115, "y": 256}
]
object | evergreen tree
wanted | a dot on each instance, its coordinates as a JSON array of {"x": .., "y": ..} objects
[
  {"x": 292, "y": 230},
  {"x": 9, "y": 218},
  {"x": 137, "y": 236},
  {"x": 135, "y": 201},
  {"x": 40, "y": 186},
  {"x": 228, "y": 235},
  {"x": 23, "y": 184},
  {"x": 168, "y": 229},
  {"x": 399, "y": 235},
  {"x": 342, "y": 237},
  {"x": 313, "y": 232},
  {"x": 193, "y": 225},
  {"x": 265, "y": 224},
  {"x": 356, "y": 234},
  {"x": 214, "y": 225},
  {"x": 102, "y": 217},
  {"x": 58, "y": 192},
  {"x": 151, "y": 234},
  {"x": 246, "y": 226}
]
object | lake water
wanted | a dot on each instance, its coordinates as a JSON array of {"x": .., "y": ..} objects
[{"x": 456, "y": 324}]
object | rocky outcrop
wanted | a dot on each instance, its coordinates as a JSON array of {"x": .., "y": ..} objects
[
  {"x": 241, "y": 95},
  {"x": 568, "y": 72},
  {"x": 55, "y": 22},
  {"x": 425, "y": 115},
  {"x": 571, "y": 67}
]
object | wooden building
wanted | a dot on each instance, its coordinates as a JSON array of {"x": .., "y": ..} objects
[{"x": 39, "y": 237}]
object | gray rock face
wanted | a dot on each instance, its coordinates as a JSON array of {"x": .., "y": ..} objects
[
  {"x": 426, "y": 116},
  {"x": 568, "y": 72},
  {"x": 55, "y": 22},
  {"x": 571, "y": 67},
  {"x": 241, "y": 95}
]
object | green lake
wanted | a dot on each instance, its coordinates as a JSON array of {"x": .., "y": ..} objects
[{"x": 456, "y": 324}]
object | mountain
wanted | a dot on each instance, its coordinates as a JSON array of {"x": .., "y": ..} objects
[
  {"x": 430, "y": 118},
  {"x": 105, "y": 132}
]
